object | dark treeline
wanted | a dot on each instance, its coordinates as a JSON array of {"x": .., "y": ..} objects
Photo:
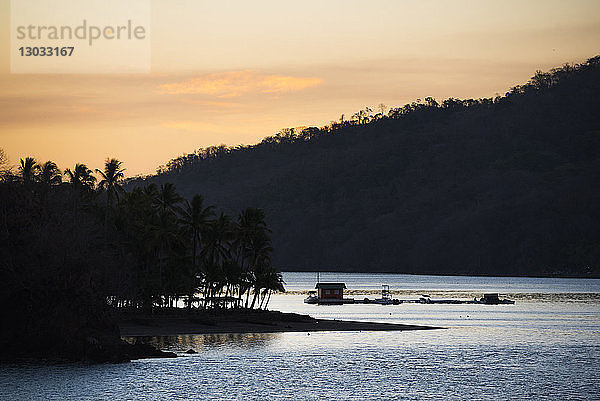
[
  {"x": 504, "y": 185},
  {"x": 73, "y": 253}
]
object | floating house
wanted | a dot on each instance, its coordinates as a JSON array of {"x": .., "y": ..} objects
[
  {"x": 328, "y": 294},
  {"x": 333, "y": 294},
  {"x": 330, "y": 290}
]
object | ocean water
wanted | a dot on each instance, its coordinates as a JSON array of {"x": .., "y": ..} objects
[
  {"x": 546, "y": 346},
  {"x": 362, "y": 281}
]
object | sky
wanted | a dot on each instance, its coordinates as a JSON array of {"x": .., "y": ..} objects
[{"x": 233, "y": 72}]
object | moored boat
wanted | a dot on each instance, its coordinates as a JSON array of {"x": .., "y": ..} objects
[
  {"x": 311, "y": 298},
  {"x": 493, "y": 299}
]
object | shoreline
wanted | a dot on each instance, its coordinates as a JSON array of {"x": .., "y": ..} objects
[
  {"x": 409, "y": 294},
  {"x": 227, "y": 322},
  {"x": 438, "y": 274}
]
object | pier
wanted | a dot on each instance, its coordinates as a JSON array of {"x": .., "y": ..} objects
[{"x": 333, "y": 294}]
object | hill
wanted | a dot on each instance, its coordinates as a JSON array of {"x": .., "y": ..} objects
[{"x": 502, "y": 186}]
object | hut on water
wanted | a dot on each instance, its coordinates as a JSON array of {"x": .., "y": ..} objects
[{"x": 330, "y": 290}]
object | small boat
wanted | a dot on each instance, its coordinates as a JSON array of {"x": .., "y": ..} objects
[
  {"x": 311, "y": 298},
  {"x": 493, "y": 299},
  {"x": 425, "y": 299}
]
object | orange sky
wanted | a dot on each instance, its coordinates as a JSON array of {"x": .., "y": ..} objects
[{"x": 236, "y": 71}]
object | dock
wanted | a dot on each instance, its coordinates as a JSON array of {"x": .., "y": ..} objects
[{"x": 333, "y": 294}]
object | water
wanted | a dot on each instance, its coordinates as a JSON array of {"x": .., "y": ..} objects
[
  {"x": 303, "y": 281},
  {"x": 543, "y": 347}
]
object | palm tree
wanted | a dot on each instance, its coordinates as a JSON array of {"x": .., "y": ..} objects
[
  {"x": 273, "y": 282},
  {"x": 151, "y": 191},
  {"x": 81, "y": 177},
  {"x": 251, "y": 238},
  {"x": 136, "y": 220},
  {"x": 216, "y": 252},
  {"x": 260, "y": 277},
  {"x": 82, "y": 182},
  {"x": 49, "y": 174},
  {"x": 163, "y": 236},
  {"x": 251, "y": 228},
  {"x": 232, "y": 273},
  {"x": 261, "y": 253},
  {"x": 168, "y": 198},
  {"x": 111, "y": 176},
  {"x": 28, "y": 170},
  {"x": 194, "y": 220}
]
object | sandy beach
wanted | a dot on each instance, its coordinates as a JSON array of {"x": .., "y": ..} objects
[{"x": 246, "y": 322}]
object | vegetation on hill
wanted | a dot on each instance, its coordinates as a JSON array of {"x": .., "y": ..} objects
[{"x": 501, "y": 186}]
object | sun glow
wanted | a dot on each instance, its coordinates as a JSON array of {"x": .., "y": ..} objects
[{"x": 237, "y": 72}]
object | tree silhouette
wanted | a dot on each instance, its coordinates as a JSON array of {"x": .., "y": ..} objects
[
  {"x": 262, "y": 263},
  {"x": 3, "y": 163},
  {"x": 57, "y": 271},
  {"x": 167, "y": 198},
  {"x": 49, "y": 174},
  {"x": 28, "y": 170},
  {"x": 195, "y": 219},
  {"x": 81, "y": 177},
  {"x": 164, "y": 238},
  {"x": 216, "y": 253},
  {"x": 273, "y": 283},
  {"x": 111, "y": 176},
  {"x": 251, "y": 242}
]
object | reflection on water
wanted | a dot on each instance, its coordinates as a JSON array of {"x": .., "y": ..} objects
[
  {"x": 205, "y": 342},
  {"x": 517, "y": 296},
  {"x": 545, "y": 347}
]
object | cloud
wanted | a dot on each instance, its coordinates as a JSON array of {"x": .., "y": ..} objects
[
  {"x": 190, "y": 125},
  {"x": 219, "y": 106},
  {"x": 237, "y": 83}
]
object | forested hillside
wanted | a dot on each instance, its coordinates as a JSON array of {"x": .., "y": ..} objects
[{"x": 501, "y": 186}]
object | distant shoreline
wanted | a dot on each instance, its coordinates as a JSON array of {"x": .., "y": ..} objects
[
  {"x": 350, "y": 271},
  {"x": 243, "y": 321}
]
